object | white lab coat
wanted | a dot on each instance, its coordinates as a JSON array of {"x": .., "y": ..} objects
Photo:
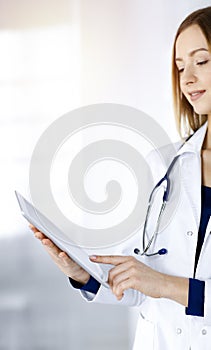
[{"x": 162, "y": 323}]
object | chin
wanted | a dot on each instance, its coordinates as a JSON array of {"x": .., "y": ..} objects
[{"x": 201, "y": 111}]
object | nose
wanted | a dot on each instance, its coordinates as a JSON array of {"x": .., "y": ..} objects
[{"x": 188, "y": 76}]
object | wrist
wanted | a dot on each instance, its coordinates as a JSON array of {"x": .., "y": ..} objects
[
  {"x": 175, "y": 288},
  {"x": 82, "y": 278}
]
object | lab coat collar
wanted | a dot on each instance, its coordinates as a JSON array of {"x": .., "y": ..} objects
[{"x": 194, "y": 144}]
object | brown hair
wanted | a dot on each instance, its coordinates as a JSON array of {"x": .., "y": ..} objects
[{"x": 186, "y": 118}]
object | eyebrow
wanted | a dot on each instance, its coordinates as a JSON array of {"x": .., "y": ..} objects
[{"x": 192, "y": 53}]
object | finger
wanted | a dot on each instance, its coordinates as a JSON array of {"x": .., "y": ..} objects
[
  {"x": 39, "y": 235},
  {"x": 122, "y": 287},
  {"x": 120, "y": 278},
  {"x": 109, "y": 259},
  {"x": 65, "y": 258},
  {"x": 51, "y": 246},
  {"x": 62, "y": 260},
  {"x": 54, "y": 251},
  {"x": 114, "y": 275},
  {"x": 33, "y": 228}
]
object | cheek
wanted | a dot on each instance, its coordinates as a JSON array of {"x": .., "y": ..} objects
[
  {"x": 183, "y": 91},
  {"x": 205, "y": 77},
  {"x": 209, "y": 80}
]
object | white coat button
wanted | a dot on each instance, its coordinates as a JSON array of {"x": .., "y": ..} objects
[
  {"x": 179, "y": 331},
  {"x": 190, "y": 233},
  {"x": 204, "y": 332}
]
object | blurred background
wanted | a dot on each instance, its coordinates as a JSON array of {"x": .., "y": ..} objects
[{"x": 55, "y": 56}]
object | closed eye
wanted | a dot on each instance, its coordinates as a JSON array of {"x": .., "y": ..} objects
[
  {"x": 180, "y": 70},
  {"x": 202, "y": 62}
]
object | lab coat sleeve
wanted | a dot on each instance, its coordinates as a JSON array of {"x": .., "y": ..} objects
[
  {"x": 207, "y": 302},
  {"x": 104, "y": 295}
]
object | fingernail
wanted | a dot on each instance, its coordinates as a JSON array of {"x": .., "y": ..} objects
[{"x": 93, "y": 257}]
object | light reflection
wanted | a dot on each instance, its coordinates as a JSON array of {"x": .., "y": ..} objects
[{"x": 40, "y": 74}]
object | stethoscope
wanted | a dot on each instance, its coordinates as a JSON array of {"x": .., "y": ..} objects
[{"x": 165, "y": 199}]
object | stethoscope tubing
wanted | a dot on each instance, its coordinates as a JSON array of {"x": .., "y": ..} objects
[{"x": 165, "y": 199}]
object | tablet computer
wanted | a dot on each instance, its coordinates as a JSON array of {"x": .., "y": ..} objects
[{"x": 79, "y": 255}]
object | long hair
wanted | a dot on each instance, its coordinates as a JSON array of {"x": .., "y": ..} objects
[{"x": 187, "y": 120}]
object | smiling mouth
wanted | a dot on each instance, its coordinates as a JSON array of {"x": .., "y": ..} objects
[{"x": 195, "y": 95}]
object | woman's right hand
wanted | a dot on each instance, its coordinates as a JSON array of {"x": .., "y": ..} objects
[{"x": 68, "y": 266}]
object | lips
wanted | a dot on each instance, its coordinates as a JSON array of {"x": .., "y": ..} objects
[{"x": 195, "y": 95}]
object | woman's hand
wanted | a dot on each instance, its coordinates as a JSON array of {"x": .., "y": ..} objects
[
  {"x": 61, "y": 259},
  {"x": 128, "y": 272}
]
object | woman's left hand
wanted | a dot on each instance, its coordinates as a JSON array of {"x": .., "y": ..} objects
[{"x": 128, "y": 272}]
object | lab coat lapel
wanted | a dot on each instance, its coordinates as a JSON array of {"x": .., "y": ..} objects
[
  {"x": 191, "y": 178},
  {"x": 191, "y": 170}
]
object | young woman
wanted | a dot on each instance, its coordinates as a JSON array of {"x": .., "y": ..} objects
[{"x": 173, "y": 291}]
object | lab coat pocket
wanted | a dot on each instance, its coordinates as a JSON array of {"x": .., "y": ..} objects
[{"x": 144, "y": 338}]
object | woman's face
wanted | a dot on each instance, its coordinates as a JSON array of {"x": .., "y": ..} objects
[{"x": 193, "y": 60}]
